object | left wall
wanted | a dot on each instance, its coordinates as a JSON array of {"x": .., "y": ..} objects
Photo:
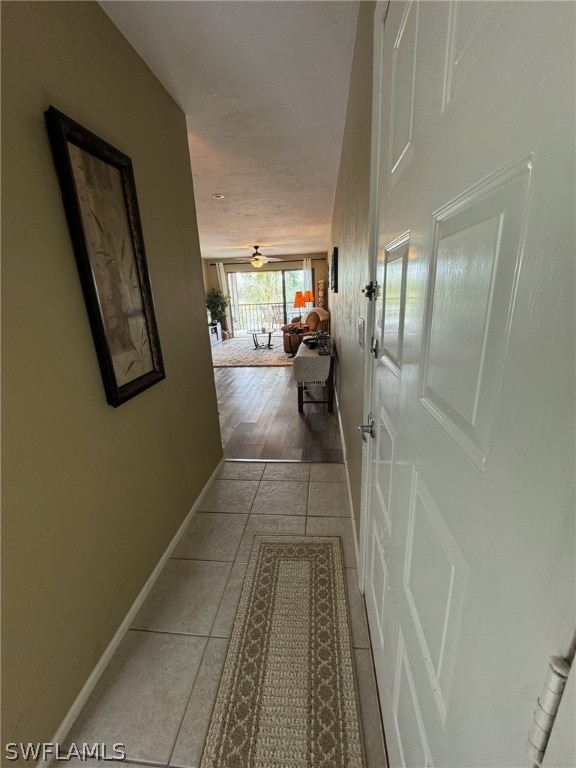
[{"x": 92, "y": 495}]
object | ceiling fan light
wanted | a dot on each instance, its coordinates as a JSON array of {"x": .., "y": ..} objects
[{"x": 257, "y": 259}]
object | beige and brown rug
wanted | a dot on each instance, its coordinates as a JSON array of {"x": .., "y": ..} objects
[
  {"x": 240, "y": 352},
  {"x": 287, "y": 697}
]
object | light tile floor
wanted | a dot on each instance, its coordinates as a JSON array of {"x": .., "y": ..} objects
[{"x": 157, "y": 694}]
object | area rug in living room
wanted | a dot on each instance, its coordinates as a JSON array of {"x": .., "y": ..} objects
[
  {"x": 240, "y": 352},
  {"x": 287, "y": 695}
]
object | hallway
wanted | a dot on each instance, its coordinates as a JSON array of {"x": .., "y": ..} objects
[
  {"x": 156, "y": 695},
  {"x": 429, "y": 171},
  {"x": 259, "y": 417}
]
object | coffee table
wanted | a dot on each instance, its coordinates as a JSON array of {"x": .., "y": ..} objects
[{"x": 261, "y": 332}]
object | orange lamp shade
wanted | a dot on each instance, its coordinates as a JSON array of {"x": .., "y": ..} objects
[
  {"x": 299, "y": 300},
  {"x": 309, "y": 296}
]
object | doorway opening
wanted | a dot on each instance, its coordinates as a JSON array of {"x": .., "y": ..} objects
[
  {"x": 263, "y": 299},
  {"x": 257, "y": 400}
]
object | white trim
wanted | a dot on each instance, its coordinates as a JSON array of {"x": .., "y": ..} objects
[
  {"x": 364, "y": 496},
  {"x": 341, "y": 427},
  {"x": 380, "y": 14},
  {"x": 350, "y": 501},
  {"x": 88, "y": 687}
]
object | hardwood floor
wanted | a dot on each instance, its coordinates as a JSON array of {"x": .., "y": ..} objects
[{"x": 259, "y": 417}]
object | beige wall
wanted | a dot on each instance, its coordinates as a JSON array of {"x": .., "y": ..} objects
[
  {"x": 92, "y": 495},
  {"x": 350, "y": 236},
  {"x": 210, "y": 275}
]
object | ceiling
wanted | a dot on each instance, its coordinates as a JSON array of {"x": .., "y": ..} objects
[{"x": 264, "y": 86}]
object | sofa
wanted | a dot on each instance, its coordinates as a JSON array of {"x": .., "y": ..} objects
[{"x": 317, "y": 319}]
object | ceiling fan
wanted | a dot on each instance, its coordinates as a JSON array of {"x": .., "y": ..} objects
[{"x": 257, "y": 259}]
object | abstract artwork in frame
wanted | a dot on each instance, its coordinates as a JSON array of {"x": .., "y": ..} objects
[
  {"x": 334, "y": 271},
  {"x": 99, "y": 194}
]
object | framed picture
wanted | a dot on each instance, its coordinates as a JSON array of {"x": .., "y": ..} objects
[
  {"x": 334, "y": 271},
  {"x": 99, "y": 194}
]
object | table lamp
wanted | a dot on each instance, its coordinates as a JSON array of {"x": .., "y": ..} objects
[
  {"x": 299, "y": 303},
  {"x": 309, "y": 297}
]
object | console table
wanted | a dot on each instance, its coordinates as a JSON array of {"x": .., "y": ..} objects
[
  {"x": 215, "y": 333},
  {"x": 261, "y": 332},
  {"x": 311, "y": 369}
]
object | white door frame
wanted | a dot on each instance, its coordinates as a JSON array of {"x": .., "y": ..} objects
[{"x": 380, "y": 13}]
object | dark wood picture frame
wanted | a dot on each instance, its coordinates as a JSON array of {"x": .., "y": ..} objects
[
  {"x": 99, "y": 194},
  {"x": 334, "y": 271}
]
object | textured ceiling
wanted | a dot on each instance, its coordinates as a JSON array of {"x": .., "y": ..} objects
[{"x": 264, "y": 86}]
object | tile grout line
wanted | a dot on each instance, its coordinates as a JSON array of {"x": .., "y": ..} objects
[
  {"x": 204, "y": 559},
  {"x": 209, "y": 637},
  {"x": 185, "y": 710},
  {"x": 171, "y": 632},
  {"x": 135, "y": 761}
]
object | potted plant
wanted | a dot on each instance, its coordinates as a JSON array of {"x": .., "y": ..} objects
[{"x": 216, "y": 303}]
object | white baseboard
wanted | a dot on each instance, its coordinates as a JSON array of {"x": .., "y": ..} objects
[
  {"x": 353, "y": 523},
  {"x": 80, "y": 701},
  {"x": 341, "y": 428},
  {"x": 350, "y": 503}
]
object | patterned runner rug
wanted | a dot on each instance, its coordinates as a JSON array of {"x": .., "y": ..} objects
[
  {"x": 240, "y": 353},
  {"x": 287, "y": 697}
]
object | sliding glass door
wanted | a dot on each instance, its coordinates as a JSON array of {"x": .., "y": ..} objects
[{"x": 263, "y": 299}]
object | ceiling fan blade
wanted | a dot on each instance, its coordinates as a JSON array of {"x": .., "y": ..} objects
[{"x": 256, "y": 256}]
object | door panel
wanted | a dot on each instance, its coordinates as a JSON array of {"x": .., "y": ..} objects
[
  {"x": 468, "y": 526},
  {"x": 470, "y": 27},
  {"x": 411, "y": 747},
  {"x": 394, "y": 302},
  {"x": 471, "y": 293},
  {"x": 435, "y": 584},
  {"x": 401, "y": 147}
]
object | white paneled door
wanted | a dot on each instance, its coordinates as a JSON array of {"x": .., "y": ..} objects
[{"x": 468, "y": 541}]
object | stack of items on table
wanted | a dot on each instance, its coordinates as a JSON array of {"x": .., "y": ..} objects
[{"x": 317, "y": 319}]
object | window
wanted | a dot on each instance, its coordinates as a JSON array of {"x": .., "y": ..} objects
[{"x": 263, "y": 299}]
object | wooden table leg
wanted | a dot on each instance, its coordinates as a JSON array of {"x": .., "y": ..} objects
[
  {"x": 291, "y": 337},
  {"x": 300, "y": 397},
  {"x": 330, "y": 384}
]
